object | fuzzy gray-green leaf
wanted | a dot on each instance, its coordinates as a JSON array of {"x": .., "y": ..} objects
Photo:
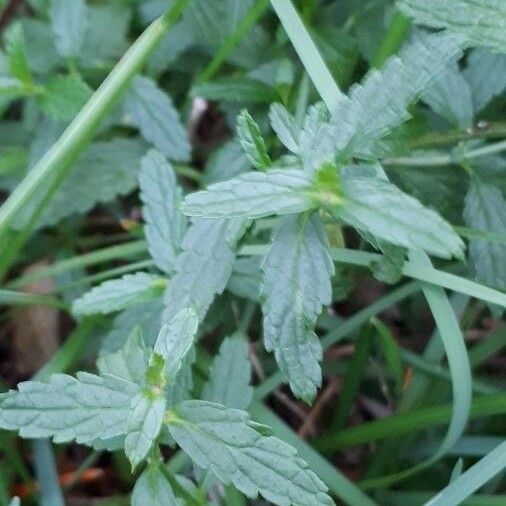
[
  {"x": 380, "y": 208},
  {"x": 69, "y": 21},
  {"x": 226, "y": 442},
  {"x": 83, "y": 409},
  {"x": 253, "y": 195},
  {"x": 120, "y": 293},
  {"x": 296, "y": 285},
  {"x": 230, "y": 375},
  {"x": 151, "y": 110},
  {"x": 161, "y": 195},
  {"x": 252, "y": 141},
  {"x": 152, "y": 488},
  {"x": 485, "y": 210}
]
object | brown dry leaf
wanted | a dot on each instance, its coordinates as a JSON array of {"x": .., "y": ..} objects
[{"x": 35, "y": 329}]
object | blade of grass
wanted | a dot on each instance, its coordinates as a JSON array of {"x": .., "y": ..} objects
[
  {"x": 308, "y": 52},
  {"x": 393, "y": 39},
  {"x": 470, "y": 481},
  {"x": 56, "y": 163},
  {"x": 489, "y": 346},
  {"x": 354, "y": 373},
  {"x": 247, "y": 22},
  {"x": 460, "y": 371},
  {"x": 47, "y": 474},
  {"x": 120, "y": 251},
  {"x": 12, "y": 298},
  {"x": 404, "y": 423},
  {"x": 338, "y": 484}
]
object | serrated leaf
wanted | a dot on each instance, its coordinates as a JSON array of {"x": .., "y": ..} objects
[
  {"x": 83, "y": 409},
  {"x": 144, "y": 424},
  {"x": 179, "y": 388},
  {"x": 152, "y": 488},
  {"x": 226, "y": 442},
  {"x": 161, "y": 195},
  {"x": 225, "y": 163},
  {"x": 450, "y": 97},
  {"x": 253, "y": 195},
  {"x": 64, "y": 96},
  {"x": 481, "y": 23},
  {"x": 285, "y": 127},
  {"x": 152, "y": 112},
  {"x": 378, "y": 105},
  {"x": 236, "y": 89},
  {"x": 252, "y": 141},
  {"x": 246, "y": 277},
  {"x": 106, "y": 36},
  {"x": 146, "y": 315},
  {"x": 230, "y": 375},
  {"x": 129, "y": 362},
  {"x": 40, "y": 47},
  {"x": 105, "y": 170},
  {"x": 485, "y": 210},
  {"x": 15, "y": 49},
  {"x": 212, "y": 21},
  {"x": 486, "y": 75},
  {"x": 204, "y": 265},
  {"x": 120, "y": 293},
  {"x": 69, "y": 21},
  {"x": 296, "y": 285},
  {"x": 176, "y": 339},
  {"x": 380, "y": 208}
]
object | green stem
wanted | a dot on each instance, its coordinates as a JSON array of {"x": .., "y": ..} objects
[
  {"x": 445, "y": 158},
  {"x": 12, "y": 298},
  {"x": 130, "y": 249},
  {"x": 308, "y": 52},
  {"x": 392, "y": 42},
  {"x": 247, "y": 22},
  {"x": 56, "y": 163}
]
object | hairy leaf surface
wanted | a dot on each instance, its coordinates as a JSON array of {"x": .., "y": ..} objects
[
  {"x": 161, "y": 195},
  {"x": 65, "y": 408},
  {"x": 296, "y": 285},
  {"x": 237, "y": 451}
]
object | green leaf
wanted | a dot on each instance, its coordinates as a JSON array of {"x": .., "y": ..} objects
[
  {"x": 481, "y": 23},
  {"x": 287, "y": 130},
  {"x": 245, "y": 279},
  {"x": 450, "y": 97},
  {"x": 237, "y": 451},
  {"x": 106, "y": 36},
  {"x": 64, "y": 96},
  {"x": 152, "y": 488},
  {"x": 253, "y": 195},
  {"x": 152, "y": 112},
  {"x": 15, "y": 501},
  {"x": 146, "y": 315},
  {"x": 84, "y": 409},
  {"x": 485, "y": 210},
  {"x": 225, "y": 163},
  {"x": 106, "y": 169},
  {"x": 389, "y": 268},
  {"x": 120, "y": 293},
  {"x": 230, "y": 375},
  {"x": 161, "y": 195},
  {"x": 129, "y": 362},
  {"x": 378, "y": 105},
  {"x": 252, "y": 141},
  {"x": 17, "y": 60},
  {"x": 176, "y": 339},
  {"x": 69, "y": 21},
  {"x": 380, "y": 208},
  {"x": 144, "y": 425},
  {"x": 235, "y": 89},
  {"x": 40, "y": 47},
  {"x": 204, "y": 265},
  {"x": 296, "y": 285},
  {"x": 486, "y": 75}
]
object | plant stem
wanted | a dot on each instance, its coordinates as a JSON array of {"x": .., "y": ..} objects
[
  {"x": 247, "y": 22},
  {"x": 446, "y": 158},
  {"x": 493, "y": 130},
  {"x": 308, "y": 52},
  {"x": 56, "y": 163},
  {"x": 392, "y": 42}
]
